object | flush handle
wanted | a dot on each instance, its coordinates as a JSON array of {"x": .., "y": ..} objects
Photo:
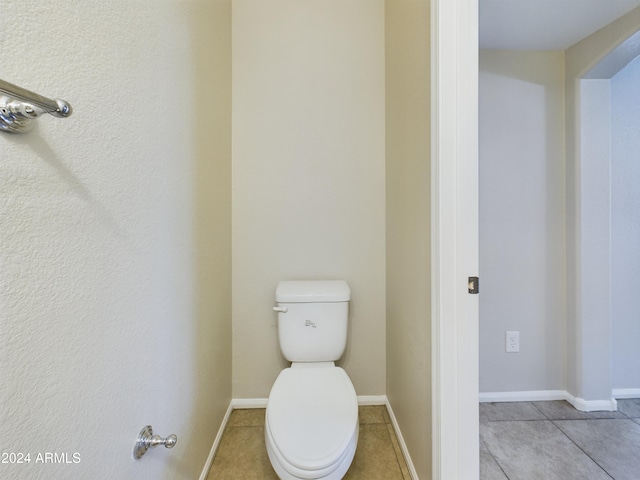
[{"x": 282, "y": 309}]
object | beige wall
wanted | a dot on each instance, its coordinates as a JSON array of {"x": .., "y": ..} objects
[
  {"x": 115, "y": 236},
  {"x": 116, "y": 231},
  {"x": 408, "y": 230},
  {"x": 308, "y": 175}
]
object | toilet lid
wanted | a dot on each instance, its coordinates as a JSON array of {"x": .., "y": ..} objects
[{"x": 312, "y": 415}]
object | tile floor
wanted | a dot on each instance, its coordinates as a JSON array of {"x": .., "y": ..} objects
[
  {"x": 242, "y": 453},
  {"x": 518, "y": 441},
  {"x": 553, "y": 440}
]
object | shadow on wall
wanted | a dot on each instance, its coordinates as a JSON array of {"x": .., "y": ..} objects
[
  {"x": 42, "y": 149},
  {"x": 210, "y": 47}
]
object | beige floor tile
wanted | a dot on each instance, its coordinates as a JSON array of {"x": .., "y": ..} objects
[
  {"x": 252, "y": 417},
  {"x": 372, "y": 414},
  {"x": 242, "y": 453},
  {"x": 399, "y": 455},
  {"x": 385, "y": 413},
  {"x": 375, "y": 457}
]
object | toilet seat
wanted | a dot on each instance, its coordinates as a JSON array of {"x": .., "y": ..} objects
[{"x": 311, "y": 426}]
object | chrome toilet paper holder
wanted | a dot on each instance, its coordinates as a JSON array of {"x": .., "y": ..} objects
[{"x": 146, "y": 440}]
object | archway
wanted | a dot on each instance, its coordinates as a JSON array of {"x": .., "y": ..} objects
[{"x": 590, "y": 372}]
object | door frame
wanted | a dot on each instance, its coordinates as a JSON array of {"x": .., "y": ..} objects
[{"x": 454, "y": 237}]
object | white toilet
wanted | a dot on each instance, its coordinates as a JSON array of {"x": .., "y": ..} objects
[{"x": 311, "y": 427}]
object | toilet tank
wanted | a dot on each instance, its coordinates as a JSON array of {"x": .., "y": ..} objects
[{"x": 312, "y": 319}]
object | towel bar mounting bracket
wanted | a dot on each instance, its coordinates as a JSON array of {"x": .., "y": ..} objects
[{"x": 17, "y": 116}]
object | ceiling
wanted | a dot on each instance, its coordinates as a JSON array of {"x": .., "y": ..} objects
[{"x": 545, "y": 24}]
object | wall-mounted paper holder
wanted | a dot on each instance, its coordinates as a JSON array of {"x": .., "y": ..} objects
[{"x": 146, "y": 440}]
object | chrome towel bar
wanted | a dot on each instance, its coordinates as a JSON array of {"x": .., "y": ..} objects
[{"x": 19, "y": 106}]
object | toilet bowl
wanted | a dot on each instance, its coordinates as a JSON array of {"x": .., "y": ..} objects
[{"x": 311, "y": 425}]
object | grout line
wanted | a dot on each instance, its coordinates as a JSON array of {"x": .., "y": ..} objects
[
  {"x": 536, "y": 407},
  {"x": 580, "y": 448},
  {"x": 387, "y": 421},
  {"x": 400, "y": 461},
  {"x": 495, "y": 459},
  {"x": 553, "y": 422}
]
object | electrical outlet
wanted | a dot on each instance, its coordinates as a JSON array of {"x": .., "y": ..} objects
[{"x": 512, "y": 342}]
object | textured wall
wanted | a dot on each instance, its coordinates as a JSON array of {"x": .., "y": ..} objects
[
  {"x": 408, "y": 229},
  {"x": 308, "y": 175},
  {"x": 115, "y": 236}
]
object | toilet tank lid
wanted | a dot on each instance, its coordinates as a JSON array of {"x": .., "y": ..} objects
[{"x": 313, "y": 291}]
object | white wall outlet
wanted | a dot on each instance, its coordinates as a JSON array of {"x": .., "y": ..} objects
[{"x": 512, "y": 342}]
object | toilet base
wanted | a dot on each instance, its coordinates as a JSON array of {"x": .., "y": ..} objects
[{"x": 337, "y": 474}]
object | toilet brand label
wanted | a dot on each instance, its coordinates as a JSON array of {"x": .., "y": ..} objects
[{"x": 309, "y": 323}]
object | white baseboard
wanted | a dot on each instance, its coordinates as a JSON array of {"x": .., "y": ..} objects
[
  {"x": 240, "y": 403},
  {"x": 216, "y": 442},
  {"x": 607, "y": 405},
  {"x": 528, "y": 396},
  {"x": 622, "y": 393},
  {"x": 403, "y": 445},
  {"x": 583, "y": 405},
  {"x": 363, "y": 400}
]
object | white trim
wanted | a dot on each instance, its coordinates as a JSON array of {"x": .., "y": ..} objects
[
  {"x": 364, "y": 400},
  {"x": 621, "y": 393},
  {"x": 610, "y": 405},
  {"x": 401, "y": 442},
  {"x": 240, "y": 403},
  {"x": 216, "y": 443},
  {"x": 607, "y": 405},
  {"x": 454, "y": 238},
  {"x": 529, "y": 396}
]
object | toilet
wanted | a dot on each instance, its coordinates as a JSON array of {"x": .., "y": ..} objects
[{"x": 311, "y": 421}]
